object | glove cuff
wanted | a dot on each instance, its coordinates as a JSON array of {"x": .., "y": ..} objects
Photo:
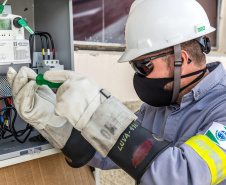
[
  {"x": 107, "y": 124},
  {"x": 57, "y": 136},
  {"x": 136, "y": 149},
  {"x": 78, "y": 152}
]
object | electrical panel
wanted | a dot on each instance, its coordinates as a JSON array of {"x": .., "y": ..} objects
[{"x": 16, "y": 50}]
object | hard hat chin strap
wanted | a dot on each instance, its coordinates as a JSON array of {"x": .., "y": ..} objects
[{"x": 177, "y": 72}]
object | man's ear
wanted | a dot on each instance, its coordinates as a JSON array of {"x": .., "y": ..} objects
[{"x": 185, "y": 64}]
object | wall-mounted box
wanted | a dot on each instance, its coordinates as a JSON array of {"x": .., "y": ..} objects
[{"x": 55, "y": 17}]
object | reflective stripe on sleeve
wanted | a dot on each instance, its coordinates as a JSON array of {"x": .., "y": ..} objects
[{"x": 211, "y": 154}]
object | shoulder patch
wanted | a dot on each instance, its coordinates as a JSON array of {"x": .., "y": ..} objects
[{"x": 217, "y": 133}]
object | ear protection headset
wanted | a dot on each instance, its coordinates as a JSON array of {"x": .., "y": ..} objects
[{"x": 205, "y": 44}]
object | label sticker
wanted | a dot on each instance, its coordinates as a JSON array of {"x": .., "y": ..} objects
[
  {"x": 201, "y": 28},
  {"x": 217, "y": 133}
]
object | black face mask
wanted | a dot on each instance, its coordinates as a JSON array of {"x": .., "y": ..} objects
[{"x": 152, "y": 92}]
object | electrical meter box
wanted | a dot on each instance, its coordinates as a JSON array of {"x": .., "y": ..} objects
[
  {"x": 14, "y": 49},
  {"x": 52, "y": 16}
]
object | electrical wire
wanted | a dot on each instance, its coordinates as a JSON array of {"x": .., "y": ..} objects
[
  {"x": 4, "y": 3},
  {"x": 31, "y": 41},
  {"x": 48, "y": 37},
  {"x": 10, "y": 128},
  {"x": 43, "y": 48},
  {"x": 52, "y": 42},
  {"x": 48, "y": 47}
]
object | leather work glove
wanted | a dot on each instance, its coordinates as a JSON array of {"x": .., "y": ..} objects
[
  {"x": 106, "y": 123},
  {"x": 100, "y": 117},
  {"x": 35, "y": 104}
]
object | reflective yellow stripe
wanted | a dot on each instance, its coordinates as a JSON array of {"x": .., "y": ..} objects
[
  {"x": 211, "y": 154},
  {"x": 43, "y": 51},
  {"x": 221, "y": 165}
]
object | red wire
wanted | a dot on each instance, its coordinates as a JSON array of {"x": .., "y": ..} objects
[
  {"x": 9, "y": 101},
  {"x": 53, "y": 51}
]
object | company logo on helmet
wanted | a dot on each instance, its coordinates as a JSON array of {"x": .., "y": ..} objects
[{"x": 201, "y": 28}]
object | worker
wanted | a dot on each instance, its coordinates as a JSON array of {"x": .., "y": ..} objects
[{"x": 179, "y": 134}]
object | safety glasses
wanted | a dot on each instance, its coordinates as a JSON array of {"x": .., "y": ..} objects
[{"x": 145, "y": 66}]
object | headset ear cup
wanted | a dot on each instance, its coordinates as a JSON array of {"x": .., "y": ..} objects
[
  {"x": 207, "y": 47},
  {"x": 208, "y": 44}
]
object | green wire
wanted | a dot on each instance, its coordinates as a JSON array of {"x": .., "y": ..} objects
[
  {"x": 1, "y": 8},
  {"x": 29, "y": 30},
  {"x": 23, "y": 23}
]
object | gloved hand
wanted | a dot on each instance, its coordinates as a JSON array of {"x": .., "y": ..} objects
[
  {"x": 35, "y": 104},
  {"x": 105, "y": 123},
  {"x": 100, "y": 117}
]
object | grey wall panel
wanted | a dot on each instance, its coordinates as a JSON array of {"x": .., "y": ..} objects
[{"x": 53, "y": 16}]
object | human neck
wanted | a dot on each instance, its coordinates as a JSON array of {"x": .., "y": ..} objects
[{"x": 189, "y": 88}]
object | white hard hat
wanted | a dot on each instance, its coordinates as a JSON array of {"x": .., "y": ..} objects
[{"x": 154, "y": 25}]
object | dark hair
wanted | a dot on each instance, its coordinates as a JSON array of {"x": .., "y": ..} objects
[{"x": 193, "y": 48}]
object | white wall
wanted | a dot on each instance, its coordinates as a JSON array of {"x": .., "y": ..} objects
[{"x": 102, "y": 67}]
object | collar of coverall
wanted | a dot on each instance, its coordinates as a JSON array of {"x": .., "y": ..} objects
[{"x": 177, "y": 72}]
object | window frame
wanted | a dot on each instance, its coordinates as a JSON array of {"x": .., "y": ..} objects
[
  {"x": 88, "y": 45},
  {"x": 219, "y": 11}
]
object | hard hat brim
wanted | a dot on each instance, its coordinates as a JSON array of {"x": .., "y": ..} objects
[{"x": 131, "y": 54}]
